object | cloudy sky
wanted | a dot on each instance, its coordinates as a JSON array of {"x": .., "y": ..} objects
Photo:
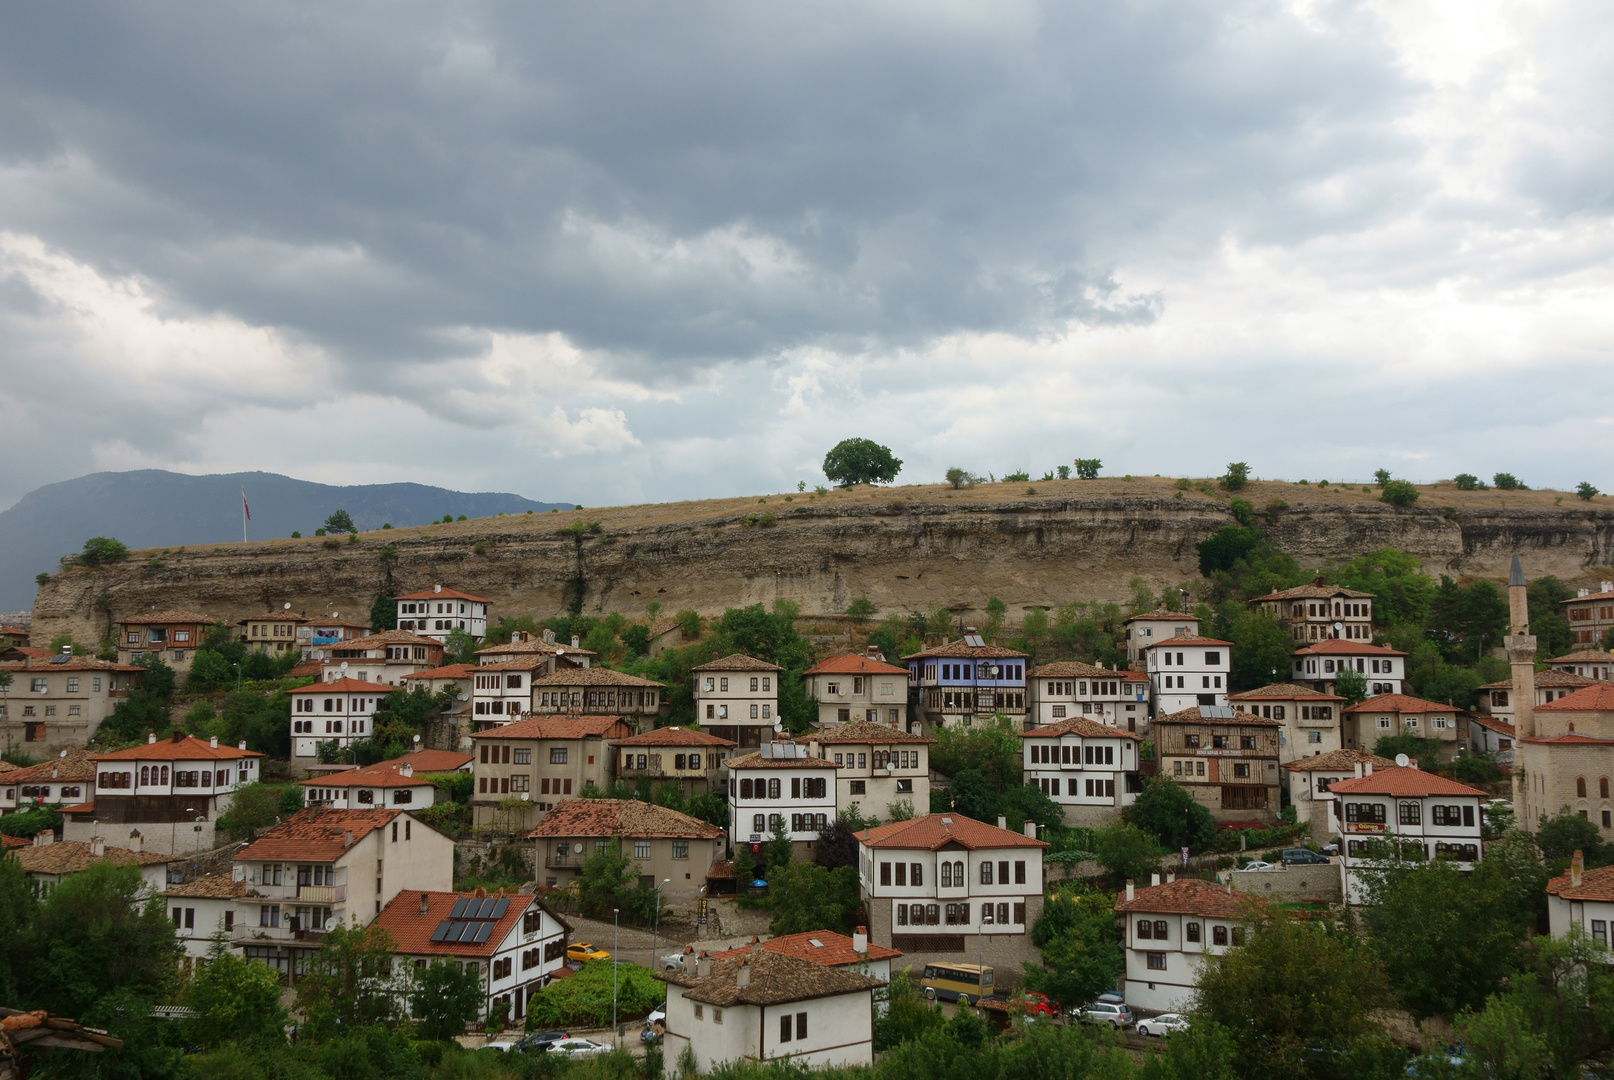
[{"x": 625, "y": 252}]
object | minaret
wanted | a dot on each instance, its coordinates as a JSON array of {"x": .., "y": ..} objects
[{"x": 1521, "y": 648}]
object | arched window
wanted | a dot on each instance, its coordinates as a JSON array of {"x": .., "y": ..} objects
[
  {"x": 958, "y": 874},
  {"x": 1580, "y": 786},
  {"x": 145, "y": 776},
  {"x": 164, "y": 780},
  {"x": 1602, "y": 787}
]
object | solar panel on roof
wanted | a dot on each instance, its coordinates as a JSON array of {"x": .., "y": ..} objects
[
  {"x": 973, "y": 641},
  {"x": 442, "y": 929},
  {"x": 459, "y": 907},
  {"x": 455, "y": 932},
  {"x": 500, "y": 908},
  {"x": 483, "y": 929},
  {"x": 484, "y": 909}
]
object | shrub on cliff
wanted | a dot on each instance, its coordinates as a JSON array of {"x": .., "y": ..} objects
[
  {"x": 860, "y": 461},
  {"x": 1399, "y": 493},
  {"x": 100, "y": 550}
]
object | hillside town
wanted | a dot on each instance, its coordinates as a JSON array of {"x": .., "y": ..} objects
[{"x": 826, "y": 826}]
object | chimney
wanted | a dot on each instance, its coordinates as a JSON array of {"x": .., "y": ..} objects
[
  {"x": 688, "y": 961},
  {"x": 347, "y": 838},
  {"x": 1608, "y": 586},
  {"x": 1367, "y": 767},
  {"x": 576, "y": 642},
  {"x": 407, "y": 770},
  {"x": 1003, "y": 822},
  {"x": 437, "y": 588},
  {"x": 177, "y": 736},
  {"x": 1577, "y": 869},
  {"x": 137, "y": 841},
  {"x": 549, "y": 637},
  {"x": 1031, "y": 829},
  {"x": 1171, "y": 875},
  {"x": 860, "y": 940},
  {"x": 1358, "y": 770},
  {"x": 97, "y": 847},
  {"x": 742, "y": 977},
  {"x": 424, "y": 903},
  {"x": 703, "y": 966},
  {"x": 151, "y": 737},
  {"x": 1131, "y": 893},
  {"x": 242, "y": 745},
  {"x": 214, "y": 742},
  {"x": 43, "y": 837},
  {"x": 1154, "y": 879}
]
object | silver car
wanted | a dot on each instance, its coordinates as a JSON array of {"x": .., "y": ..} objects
[
  {"x": 1164, "y": 1024},
  {"x": 1113, "y": 1015}
]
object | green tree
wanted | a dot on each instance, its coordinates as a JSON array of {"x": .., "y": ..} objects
[
  {"x": 807, "y": 896},
  {"x": 957, "y": 477},
  {"x": 1545, "y": 596},
  {"x": 1291, "y": 987},
  {"x": 101, "y": 550},
  {"x": 907, "y": 1015},
  {"x": 1087, "y": 468},
  {"x": 1565, "y": 833},
  {"x": 384, "y": 614},
  {"x": 1502, "y": 1041},
  {"x": 253, "y": 808},
  {"x": 1399, "y": 493},
  {"x": 459, "y": 648},
  {"x": 1586, "y": 491},
  {"x": 1081, "y": 949},
  {"x": 1508, "y": 482},
  {"x": 778, "y": 849},
  {"x": 860, "y": 610},
  {"x": 1167, "y": 811},
  {"x": 18, "y": 911},
  {"x": 1261, "y": 650},
  {"x": 1467, "y": 482},
  {"x": 1237, "y": 475},
  {"x": 235, "y": 1000},
  {"x": 992, "y": 748},
  {"x": 1469, "y": 619},
  {"x": 607, "y": 878},
  {"x": 1381, "y": 477},
  {"x": 146, "y": 708},
  {"x": 1424, "y": 751},
  {"x": 745, "y": 866},
  {"x": 860, "y": 461},
  {"x": 1402, "y": 591},
  {"x": 1225, "y": 547},
  {"x": 1126, "y": 851},
  {"x": 340, "y": 522},
  {"x": 996, "y": 610},
  {"x": 96, "y": 938},
  {"x": 351, "y": 983},
  {"x": 445, "y": 997},
  {"x": 1351, "y": 685}
]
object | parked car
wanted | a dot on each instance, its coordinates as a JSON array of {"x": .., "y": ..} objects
[
  {"x": 579, "y": 1048},
  {"x": 539, "y": 1041},
  {"x": 503, "y": 1046},
  {"x": 1257, "y": 865},
  {"x": 672, "y": 961},
  {"x": 1038, "y": 1004},
  {"x": 1299, "y": 856},
  {"x": 1105, "y": 1012},
  {"x": 1164, "y": 1024},
  {"x": 582, "y": 952}
]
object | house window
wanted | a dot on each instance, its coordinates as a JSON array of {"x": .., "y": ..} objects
[
  {"x": 1191, "y": 931},
  {"x": 680, "y": 849},
  {"x": 1157, "y": 961},
  {"x": 641, "y": 849},
  {"x": 523, "y": 755},
  {"x": 1411, "y": 813},
  {"x": 1145, "y": 930},
  {"x": 1218, "y": 935},
  {"x": 557, "y": 755}
]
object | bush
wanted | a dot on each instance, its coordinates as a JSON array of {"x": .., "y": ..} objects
[
  {"x": 100, "y": 550},
  {"x": 1474, "y": 769},
  {"x": 1508, "y": 482},
  {"x": 1586, "y": 491},
  {"x": 1019, "y": 477},
  {"x": 1237, "y": 475},
  {"x": 1468, "y": 482},
  {"x": 584, "y": 1000},
  {"x": 1399, "y": 493},
  {"x": 958, "y": 477},
  {"x": 1087, "y": 468},
  {"x": 860, "y": 461}
]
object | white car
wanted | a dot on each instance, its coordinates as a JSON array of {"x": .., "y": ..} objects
[
  {"x": 1257, "y": 865},
  {"x": 503, "y": 1046},
  {"x": 579, "y": 1048},
  {"x": 1164, "y": 1024}
]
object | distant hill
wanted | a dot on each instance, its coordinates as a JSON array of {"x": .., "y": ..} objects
[{"x": 155, "y": 508}]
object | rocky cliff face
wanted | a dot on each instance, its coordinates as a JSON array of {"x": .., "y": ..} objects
[{"x": 931, "y": 548}]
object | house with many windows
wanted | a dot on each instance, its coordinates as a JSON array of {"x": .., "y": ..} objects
[
  {"x": 64, "y": 780},
  {"x": 1226, "y": 758},
  {"x": 381, "y": 784},
  {"x": 1496, "y": 699},
  {"x": 1089, "y": 769},
  {"x": 523, "y": 644},
  {"x": 1067, "y": 688},
  {"x": 1366, "y": 722},
  {"x": 1582, "y": 898},
  {"x": 540, "y": 760},
  {"x": 877, "y": 767},
  {"x": 503, "y": 691},
  {"x": 339, "y": 711},
  {"x": 173, "y": 636},
  {"x": 1187, "y": 671},
  {"x": 437, "y": 612},
  {"x": 57, "y": 702},
  {"x": 853, "y": 688},
  {"x": 380, "y": 658},
  {"x": 274, "y": 633},
  {"x": 1317, "y": 666},
  {"x": 1320, "y": 611},
  {"x": 46, "y": 863},
  {"x": 512, "y": 944},
  {"x": 320, "y": 869},
  {"x": 856, "y": 954},
  {"x": 1590, "y": 616},
  {"x": 1170, "y": 928},
  {"x": 1592, "y": 663},
  {"x": 596, "y": 691},
  {"x": 667, "y": 847},
  {"x": 1311, "y": 718},
  {"x": 944, "y": 887},
  {"x": 171, "y": 791},
  {"x": 781, "y": 784},
  {"x": 1569, "y": 761},
  {"x": 1405, "y": 813},
  {"x": 201, "y": 909},
  {"x": 1145, "y": 629},
  {"x": 956, "y": 683},
  {"x": 737, "y": 698},
  {"x": 687, "y": 757},
  {"x": 1310, "y": 780}
]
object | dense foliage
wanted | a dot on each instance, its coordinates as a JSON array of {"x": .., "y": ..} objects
[{"x": 860, "y": 461}]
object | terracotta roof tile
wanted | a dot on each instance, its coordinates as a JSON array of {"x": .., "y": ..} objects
[
  {"x": 220, "y": 886},
  {"x": 1284, "y": 692},
  {"x": 273, "y": 616},
  {"x": 622, "y": 817},
  {"x": 46, "y": 661},
  {"x": 71, "y": 856},
  {"x": 820, "y": 946},
  {"x": 1401, "y": 703},
  {"x": 172, "y": 615},
  {"x": 383, "y": 639},
  {"x": 775, "y": 979},
  {"x": 594, "y": 676},
  {"x": 737, "y": 662},
  {"x": 315, "y": 835},
  {"x": 854, "y": 664},
  {"x": 1338, "y": 761},
  {"x": 1598, "y": 697},
  {"x": 675, "y": 736},
  {"x": 441, "y": 594},
  {"x": 370, "y": 776},
  {"x": 559, "y": 726},
  {"x": 1570, "y": 740},
  {"x": 1314, "y": 592},
  {"x": 431, "y": 761},
  {"x": 412, "y": 929},
  {"x": 189, "y": 748},
  {"x": 1595, "y": 884},
  {"x": 1549, "y": 678},
  {"x": 961, "y": 650},
  {"x": 862, "y": 731},
  {"x": 1588, "y": 596},
  {"x": 1184, "y": 639},
  {"x": 76, "y": 764},
  {"x": 1409, "y": 782},
  {"x": 344, "y": 685},
  {"x": 1078, "y": 725},
  {"x": 1161, "y": 616},
  {"x": 1341, "y": 647},
  {"x": 1192, "y": 715},
  {"x": 448, "y": 671},
  {"x": 1584, "y": 656},
  {"x": 1187, "y": 896},
  {"x": 519, "y": 663},
  {"x": 1075, "y": 669},
  {"x": 1501, "y": 727},
  {"x": 933, "y": 832},
  {"x": 536, "y": 646},
  {"x": 755, "y": 760}
]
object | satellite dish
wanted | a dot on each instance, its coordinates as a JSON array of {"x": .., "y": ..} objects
[
  {"x": 286, "y": 606},
  {"x": 1402, "y": 760},
  {"x": 524, "y": 796},
  {"x": 1339, "y": 626},
  {"x": 344, "y": 665},
  {"x": 417, "y": 738}
]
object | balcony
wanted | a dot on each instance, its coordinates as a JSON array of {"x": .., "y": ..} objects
[
  {"x": 564, "y": 862},
  {"x": 322, "y": 894}
]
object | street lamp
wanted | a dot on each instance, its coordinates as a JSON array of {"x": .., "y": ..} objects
[{"x": 655, "y": 935}]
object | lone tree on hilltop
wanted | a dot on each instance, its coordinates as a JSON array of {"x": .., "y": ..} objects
[
  {"x": 1399, "y": 493},
  {"x": 860, "y": 461},
  {"x": 340, "y": 522},
  {"x": 99, "y": 550},
  {"x": 1238, "y": 474}
]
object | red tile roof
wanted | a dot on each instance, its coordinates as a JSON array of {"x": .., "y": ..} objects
[
  {"x": 1338, "y": 761},
  {"x": 774, "y": 979},
  {"x": 963, "y": 651},
  {"x": 1284, "y": 692},
  {"x": 1595, "y": 884},
  {"x": 559, "y": 726},
  {"x": 316, "y": 835},
  {"x": 382, "y": 640},
  {"x": 1402, "y": 703},
  {"x": 1588, "y": 596},
  {"x": 1078, "y": 725},
  {"x": 412, "y": 929},
  {"x": 370, "y": 776},
  {"x": 188, "y": 748},
  {"x": 1187, "y": 896},
  {"x": 441, "y": 594},
  {"x": 1341, "y": 647},
  {"x": 71, "y": 856},
  {"x": 172, "y": 615},
  {"x": 594, "y": 676},
  {"x": 45, "y": 661},
  {"x": 1192, "y": 715},
  {"x": 1584, "y": 656},
  {"x": 820, "y": 946},
  {"x": 431, "y": 761},
  {"x": 675, "y": 736},
  {"x": 854, "y": 664},
  {"x": 448, "y": 671},
  {"x": 515, "y": 648},
  {"x": 1184, "y": 639},
  {"x": 519, "y": 663},
  {"x": 78, "y": 764},
  {"x": 1161, "y": 616},
  {"x": 1570, "y": 740},
  {"x": 861, "y": 732},
  {"x": 345, "y": 685},
  {"x": 1314, "y": 592},
  {"x": 622, "y": 817},
  {"x": 738, "y": 662},
  {"x": 1548, "y": 678},
  {"x": 755, "y": 760},
  {"x": 1075, "y": 669},
  {"x": 1491, "y": 722},
  {"x": 933, "y": 832},
  {"x": 1599, "y": 697},
  {"x": 1408, "y": 782},
  {"x": 220, "y": 886},
  {"x": 273, "y": 616}
]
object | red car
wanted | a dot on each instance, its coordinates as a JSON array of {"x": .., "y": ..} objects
[{"x": 1039, "y": 1004}]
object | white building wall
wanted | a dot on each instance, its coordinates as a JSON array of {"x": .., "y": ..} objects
[
  {"x": 1182, "y": 674},
  {"x": 743, "y": 812}
]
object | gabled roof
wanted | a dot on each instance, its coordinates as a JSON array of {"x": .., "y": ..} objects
[
  {"x": 441, "y": 593},
  {"x": 963, "y": 651},
  {"x": 536, "y": 646},
  {"x": 1160, "y": 615},
  {"x": 1184, "y": 639},
  {"x": 861, "y": 731},
  {"x": 44, "y": 661},
  {"x": 370, "y": 776},
  {"x": 1192, "y": 715},
  {"x": 71, "y": 856},
  {"x": 382, "y": 640},
  {"x": 1501, "y": 727},
  {"x": 819, "y": 946},
  {"x": 1338, "y": 761},
  {"x": 1284, "y": 692},
  {"x": 738, "y": 662},
  {"x": 412, "y": 929},
  {"x": 447, "y": 671},
  {"x": 187, "y": 748},
  {"x": 1595, "y": 884},
  {"x": 558, "y": 726},
  {"x": 317, "y": 835},
  {"x": 1589, "y": 596},
  {"x": 77, "y": 764},
  {"x": 1598, "y": 697},
  {"x": 344, "y": 685},
  {"x": 1572, "y": 740},
  {"x": 1409, "y": 782},
  {"x": 1342, "y": 647},
  {"x": 431, "y": 761},
  {"x": 1078, "y": 725},
  {"x": 854, "y": 664},
  {"x": 1075, "y": 669},
  {"x": 1314, "y": 591},
  {"x": 675, "y": 736},
  {"x": 774, "y": 980},
  {"x": 755, "y": 760},
  {"x": 172, "y": 615},
  {"x": 1187, "y": 896},
  {"x": 1550, "y": 679},
  {"x": 1584, "y": 656},
  {"x": 220, "y": 886},
  {"x": 622, "y": 817},
  {"x": 1405, "y": 703},
  {"x": 594, "y": 676},
  {"x": 273, "y": 616},
  {"x": 518, "y": 663},
  {"x": 932, "y": 832}
]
